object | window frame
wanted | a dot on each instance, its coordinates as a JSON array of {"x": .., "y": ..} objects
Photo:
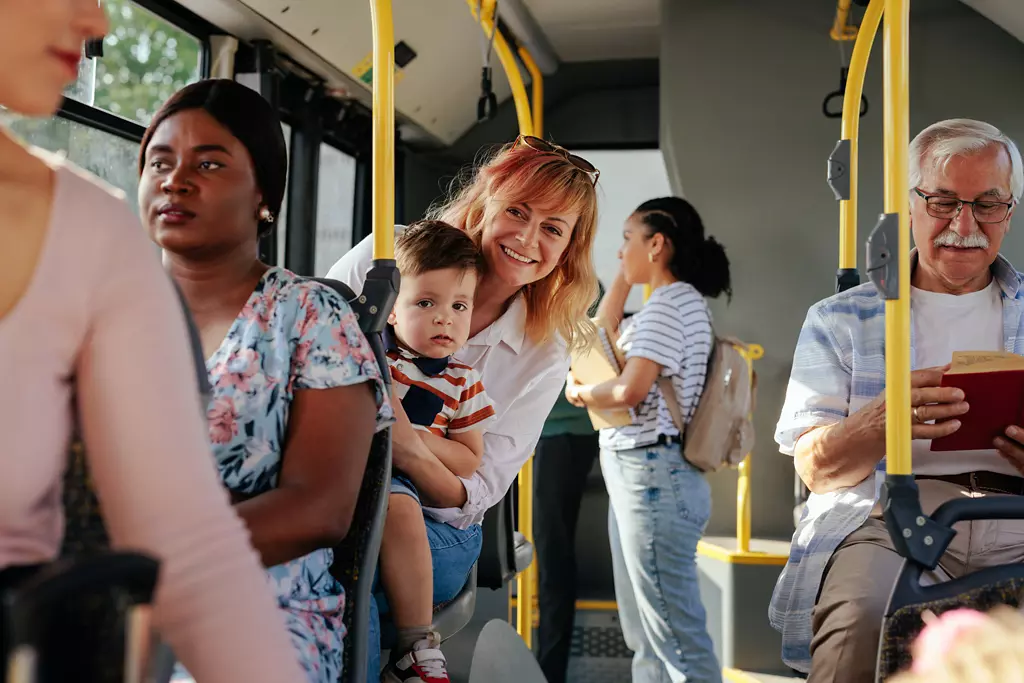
[{"x": 108, "y": 122}]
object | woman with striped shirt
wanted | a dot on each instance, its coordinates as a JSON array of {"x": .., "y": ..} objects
[{"x": 659, "y": 503}]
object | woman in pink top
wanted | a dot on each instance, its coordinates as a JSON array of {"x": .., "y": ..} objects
[{"x": 82, "y": 296}]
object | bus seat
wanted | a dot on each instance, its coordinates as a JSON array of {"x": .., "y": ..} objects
[
  {"x": 453, "y": 616},
  {"x": 981, "y": 590},
  {"x": 48, "y": 635},
  {"x": 504, "y": 554},
  {"x": 85, "y": 537},
  {"x": 355, "y": 558}
]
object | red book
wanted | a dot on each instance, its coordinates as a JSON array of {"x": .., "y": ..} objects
[{"x": 993, "y": 386}]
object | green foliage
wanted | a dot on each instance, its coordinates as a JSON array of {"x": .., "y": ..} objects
[{"x": 145, "y": 61}]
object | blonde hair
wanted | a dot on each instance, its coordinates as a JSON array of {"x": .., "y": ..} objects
[
  {"x": 989, "y": 652},
  {"x": 557, "y": 303}
]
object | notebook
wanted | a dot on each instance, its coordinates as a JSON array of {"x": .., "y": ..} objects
[
  {"x": 993, "y": 386},
  {"x": 600, "y": 362}
]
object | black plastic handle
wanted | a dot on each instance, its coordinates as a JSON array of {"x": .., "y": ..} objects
[
  {"x": 30, "y": 607},
  {"x": 968, "y": 509},
  {"x": 908, "y": 589},
  {"x": 840, "y": 94},
  {"x": 487, "y": 105}
]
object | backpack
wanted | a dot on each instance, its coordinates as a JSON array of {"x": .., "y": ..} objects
[{"x": 721, "y": 431}]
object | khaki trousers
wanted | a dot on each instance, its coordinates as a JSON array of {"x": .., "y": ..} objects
[{"x": 859, "y": 577}]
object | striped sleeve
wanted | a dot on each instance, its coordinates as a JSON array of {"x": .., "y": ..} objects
[
  {"x": 664, "y": 327},
  {"x": 475, "y": 410},
  {"x": 819, "y": 384}
]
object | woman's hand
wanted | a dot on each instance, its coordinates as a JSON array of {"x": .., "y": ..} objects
[{"x": 572, "y": 391}]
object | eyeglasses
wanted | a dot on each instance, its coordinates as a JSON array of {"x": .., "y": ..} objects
[
  {"x": 541, "y": 145},
  {"x": 948, "y": 208}
]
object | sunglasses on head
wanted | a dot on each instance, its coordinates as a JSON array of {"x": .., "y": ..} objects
[{"x": 542, "y": 145}]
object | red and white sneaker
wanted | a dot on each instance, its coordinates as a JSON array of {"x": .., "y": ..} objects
[{"x": 424, "y": 663}]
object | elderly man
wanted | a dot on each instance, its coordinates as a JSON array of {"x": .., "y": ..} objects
[{"x": 965, "y": 178}]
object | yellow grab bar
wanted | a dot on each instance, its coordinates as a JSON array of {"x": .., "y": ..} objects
[
  {"x": 537, "y": 79},
  {"x": 526, "y": 581},
  {"x": 383, "y": 129},
  {"x": 851, "y": 129},
  {"x": 750, "y": 354},
  {"x": 897, "y": 311},
  {"x": 489, "y": 25}
]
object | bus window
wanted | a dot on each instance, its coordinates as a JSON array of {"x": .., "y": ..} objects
[
  {"x": 145, "y": 61},
  {"x": 281, "y": 224},
  {"x": 335, "y": 204},
  {"x": 628, "y": 178},
  {"x": 112, "y": 158}
]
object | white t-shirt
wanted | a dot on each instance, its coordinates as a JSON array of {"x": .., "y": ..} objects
[
  {"x": 523, "y": 378},
  {"x": 673, "y": 329},
  {"x": 942, "y": 324}
]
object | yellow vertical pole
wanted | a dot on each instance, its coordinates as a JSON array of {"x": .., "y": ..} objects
[
  {"x": 750, "y": 354},
  {"x": 897, "y": 311},
  {"x": 383, "y": 130},
  {"x": 851, "y": 128},
  {"x": 526, "y": 581},
  {"x": 529, "y": 619}
]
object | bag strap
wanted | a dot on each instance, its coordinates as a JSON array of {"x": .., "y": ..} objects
[{"x": 669, "y": 392}]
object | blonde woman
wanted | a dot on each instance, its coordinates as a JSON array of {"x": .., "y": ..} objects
[
  {"x": 83, "y": 297},
  {"x": 532, "y": 210}
]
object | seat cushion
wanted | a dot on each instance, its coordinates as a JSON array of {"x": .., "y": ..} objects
[
  {"x": 902, "y": 628},
  {"x": 453, "y": 616},
  {"x": 524, "y": 552}
]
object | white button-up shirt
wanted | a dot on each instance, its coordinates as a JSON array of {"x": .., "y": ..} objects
[{"x": 522, "y": 378}]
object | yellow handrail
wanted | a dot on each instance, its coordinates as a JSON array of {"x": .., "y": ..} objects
[
  {"x": 751, "y": 353},
  {"x": 508, "y": 62},
  {"x": 537, "y": 79},
  {"x": 897, "y": 311},
  {"x": 851, "y": 129},
  {"x": 526, "y": 581},
  {"x": 383, "y": 129},
  {"x": 528, "y": 587}
]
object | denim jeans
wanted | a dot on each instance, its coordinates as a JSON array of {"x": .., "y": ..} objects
[
  {"x": 454, "y": 551},
  {"x": 659, "y": 505}
]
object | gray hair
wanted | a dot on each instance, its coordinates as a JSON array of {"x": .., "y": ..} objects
[{"x": 940, "y": 142}]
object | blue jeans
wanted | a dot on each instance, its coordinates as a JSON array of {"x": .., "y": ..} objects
[
  {"x": 454, "y": 551},
  {"x": 659, "y": 505}
]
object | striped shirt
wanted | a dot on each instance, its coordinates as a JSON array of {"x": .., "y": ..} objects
[
  {"x": 439, "y": 395},
  {"x": 673, "y": 329},
  {"x": 838, "y": 367}
]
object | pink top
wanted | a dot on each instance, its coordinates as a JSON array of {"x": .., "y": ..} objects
[{"x": 100, "y": 308}]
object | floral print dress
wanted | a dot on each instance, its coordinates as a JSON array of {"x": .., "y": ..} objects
[{"x": 292, "y": 334}]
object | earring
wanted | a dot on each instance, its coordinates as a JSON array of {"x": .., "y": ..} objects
[
  {"x": 266, "y": 215},
  {"x": 650, "y": 257}
]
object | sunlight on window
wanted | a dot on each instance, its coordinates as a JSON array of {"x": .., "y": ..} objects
[{"x": 145, "y": 61}]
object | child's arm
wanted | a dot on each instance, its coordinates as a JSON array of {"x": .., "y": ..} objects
[{"x": 460, "y": 452}]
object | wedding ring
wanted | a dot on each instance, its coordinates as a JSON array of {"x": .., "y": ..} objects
[{"x": 917, "y": 418}]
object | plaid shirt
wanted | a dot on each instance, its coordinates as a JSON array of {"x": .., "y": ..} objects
[{"x": 838, "y": 367}]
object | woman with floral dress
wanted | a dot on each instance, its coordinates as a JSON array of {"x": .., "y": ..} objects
[{"x": 297, "y": 394}]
